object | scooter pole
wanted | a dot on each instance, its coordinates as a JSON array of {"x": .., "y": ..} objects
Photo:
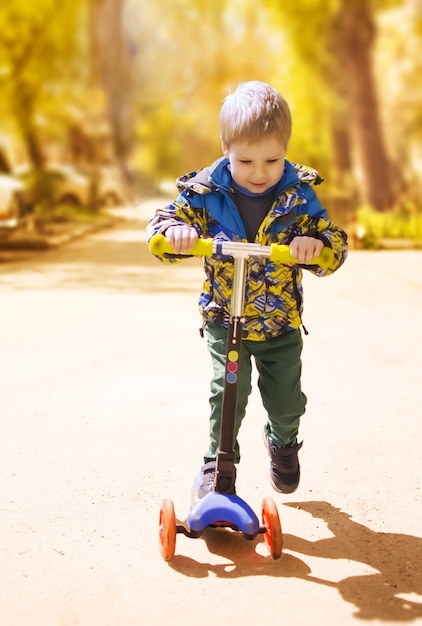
[{"x": 225, "y": 476}]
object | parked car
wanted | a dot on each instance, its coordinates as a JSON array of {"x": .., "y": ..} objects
[
  {"x": 74, "y": 187},
  {"x": 11, "y": 209},
  {"x": 68, "y": 185},
  {"x": 111, "y": 187},
  {"x": 63, "y": 184},
  {"x": 12, "y": 198}
]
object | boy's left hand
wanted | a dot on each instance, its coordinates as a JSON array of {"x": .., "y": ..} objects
[{"x": 304, "y": 249}]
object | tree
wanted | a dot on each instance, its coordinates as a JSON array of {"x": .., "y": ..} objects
[
  {"x": 36, "y": 48},
  {"x": 354, "y": 42},
  {"x": 334, "y": 39},
  {"x": 112, "y": 70},
  {"x": 188, "y": 54}
]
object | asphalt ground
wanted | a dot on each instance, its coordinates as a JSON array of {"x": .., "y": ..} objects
[{"x": 104, "y": 404}]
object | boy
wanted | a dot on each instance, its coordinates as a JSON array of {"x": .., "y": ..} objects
[{"x": 255, "y": 194}]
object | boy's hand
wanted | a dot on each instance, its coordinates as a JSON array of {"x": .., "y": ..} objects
[
  {"x": 304, "y": 249},
  {"x": 181, "y": 238}
]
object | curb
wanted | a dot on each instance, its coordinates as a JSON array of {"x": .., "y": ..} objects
[
  {"x": 62, "y": 234},
  {"x": 398, "y": 244}
]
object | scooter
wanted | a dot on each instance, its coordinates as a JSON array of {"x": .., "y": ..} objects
[{"x": 222, "y": 507}]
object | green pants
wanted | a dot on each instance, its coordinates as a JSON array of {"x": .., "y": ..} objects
[{"x": 279, "y": 366}]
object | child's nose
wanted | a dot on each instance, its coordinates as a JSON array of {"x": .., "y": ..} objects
[{"x": 259, "y": 171}]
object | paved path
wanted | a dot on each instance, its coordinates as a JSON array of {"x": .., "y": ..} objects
[{"x": 100, "y": 423}]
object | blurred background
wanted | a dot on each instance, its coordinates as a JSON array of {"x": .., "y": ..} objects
[{"x": 108, "y": 101}]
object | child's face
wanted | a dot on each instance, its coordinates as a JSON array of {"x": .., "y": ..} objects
[{"x": 256, "y": 166}]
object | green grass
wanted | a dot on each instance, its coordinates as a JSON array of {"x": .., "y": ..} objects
[
  {"x": 70, "y": 212},
  {"x": 404, "y": 222},
  {"x": 66, "y": 213}
]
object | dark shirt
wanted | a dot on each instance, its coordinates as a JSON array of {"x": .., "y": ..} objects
[{"x": 253, "y": 207}]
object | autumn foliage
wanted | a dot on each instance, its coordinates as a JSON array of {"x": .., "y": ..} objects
[{"x": 154, "y": 73}]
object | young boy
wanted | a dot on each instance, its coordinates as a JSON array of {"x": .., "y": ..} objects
[{"x": 255, "y": 194}]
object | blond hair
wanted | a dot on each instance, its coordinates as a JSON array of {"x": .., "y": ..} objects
[{"x": 254, "y": 110}]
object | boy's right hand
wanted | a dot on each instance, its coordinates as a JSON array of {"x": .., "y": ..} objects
[{"x": 182, "y": 238}]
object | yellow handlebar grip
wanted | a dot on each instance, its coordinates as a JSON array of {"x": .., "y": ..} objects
[
  {"x": 281, "y": 254},
  {"x": 203, "y": 247},
  {"x": 159, "y": 245},
  {"x": 326, "y": 258}
]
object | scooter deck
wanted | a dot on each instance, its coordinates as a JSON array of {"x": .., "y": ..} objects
[{"x": 219, "y": 509}]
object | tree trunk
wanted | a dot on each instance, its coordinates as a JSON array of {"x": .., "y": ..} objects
[
  {"x": 111, "y": 57},
  {"x": 356, "y": 36},
  {"x": 24, "y": 114}
]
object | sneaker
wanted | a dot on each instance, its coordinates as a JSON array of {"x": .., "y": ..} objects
[
  {"x": 284, "y": 467},
  {"x": 204, "y": 482}
]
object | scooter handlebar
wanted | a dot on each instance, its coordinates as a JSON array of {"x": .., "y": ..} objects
[
  {"x": 159, "y": 245},
  {"x": 278, "y": 253}
]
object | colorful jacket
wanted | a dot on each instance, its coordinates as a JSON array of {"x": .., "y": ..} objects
[{"x": 273, "y": 293}]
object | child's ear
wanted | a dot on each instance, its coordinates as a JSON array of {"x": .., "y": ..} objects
[{"x": 224, "y": 148}]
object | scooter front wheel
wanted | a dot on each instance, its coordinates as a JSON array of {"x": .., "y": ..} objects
[
  {"x": 273, "y": 535},
  {"x": 167, "y": 527}
]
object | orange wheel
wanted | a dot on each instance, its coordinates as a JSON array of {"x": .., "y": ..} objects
[
  {"x": 273, "y": 536},
  {"x": 167, "y": 530}
]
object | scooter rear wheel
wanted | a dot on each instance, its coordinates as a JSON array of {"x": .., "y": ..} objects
[
  {"x": 167, "y": 534},
  {"x": 273, "y": 536}
]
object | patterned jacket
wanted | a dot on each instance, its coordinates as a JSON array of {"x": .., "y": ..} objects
[{"x": 273, "y": 293}]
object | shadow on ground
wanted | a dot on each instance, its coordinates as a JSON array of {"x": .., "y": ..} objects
[{"x": 396, "y": 558}]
